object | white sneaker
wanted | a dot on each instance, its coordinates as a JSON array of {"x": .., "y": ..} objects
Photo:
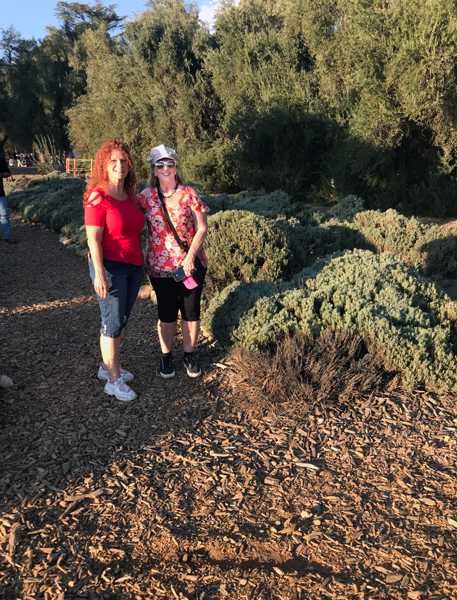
[
  {"x": 120, "y": 389},
  {"x": 103, "y": 374}
]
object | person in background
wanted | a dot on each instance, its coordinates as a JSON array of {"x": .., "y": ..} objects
[
  {"x": 4, "y": 217},
  {"x": 114, "y": 222},
  {"x": 167, "y": 251}
]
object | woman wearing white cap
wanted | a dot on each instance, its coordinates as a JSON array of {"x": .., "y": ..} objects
[{"x": 177, "y": 222}]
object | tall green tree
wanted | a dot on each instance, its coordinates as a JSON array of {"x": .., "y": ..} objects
[
  {"x": 387, "y": 74},
  {"x": 310, "y": 96},
  {"x": 21, "y": 107},
  {"x": 263, "y": 73},
  {"x": 106, "y": 110},
  {"x": 148, "y": 88},
  {"x": 10, "y": 43},
  {"x": 76, "y": 18},
  {"x": 42, "y": 80}
]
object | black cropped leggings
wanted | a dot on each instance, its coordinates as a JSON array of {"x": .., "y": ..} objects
[{"x": 173, "y": 297}]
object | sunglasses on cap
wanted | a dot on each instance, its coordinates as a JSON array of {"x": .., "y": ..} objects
[{"x": 161, "y": 163}]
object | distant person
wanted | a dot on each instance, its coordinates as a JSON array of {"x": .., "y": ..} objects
[
  {"x": 4, "y": 217},
  {"x": 169, "y": 198},
  {"x": 113, "y": 224}
]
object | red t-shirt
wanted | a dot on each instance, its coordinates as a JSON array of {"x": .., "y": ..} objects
[{"x": 122, "y": 221}]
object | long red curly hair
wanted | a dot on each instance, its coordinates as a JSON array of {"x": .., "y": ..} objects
[{"x": 99, "y": 177}]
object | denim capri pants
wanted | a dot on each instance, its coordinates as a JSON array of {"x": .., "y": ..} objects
[{"x": 124, "y": 281}]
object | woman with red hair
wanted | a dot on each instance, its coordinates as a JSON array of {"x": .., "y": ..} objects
[{"x": 113, "y": 224}]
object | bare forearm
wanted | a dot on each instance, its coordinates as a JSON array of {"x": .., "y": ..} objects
[
  {"x": 197, "y": 244},
  {"x": 94, "y": 241},
  {"x": 96, "y": 254}
]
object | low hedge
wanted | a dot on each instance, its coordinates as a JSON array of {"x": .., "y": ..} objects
[
  {"x": 311, "y": 242},
  {"x": 347, "y": 208},
  {"x": 258, "y": 202},
  {"x": 374, "y": 296},
  {"x": 245, "y": 247},
  {"x": 56, "y": 201},
  {"x": 19, "y": 183},
  {"x": 262, "y": 236},
  {"x": 417, "y": 243},
  {"x": 346, "y": 226}
]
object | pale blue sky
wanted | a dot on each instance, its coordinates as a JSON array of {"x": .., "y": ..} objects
[{"x": 30, "y": 17}]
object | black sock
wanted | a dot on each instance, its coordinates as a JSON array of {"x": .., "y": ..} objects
[
  {"x": 166, "y": 354},
  {"x": 188, "y": 354}
]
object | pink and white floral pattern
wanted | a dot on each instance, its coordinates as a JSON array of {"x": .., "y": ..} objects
[{"x": 164, "y": 254}]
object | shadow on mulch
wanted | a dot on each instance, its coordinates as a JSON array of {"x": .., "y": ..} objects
[{"x": 183, "y": 493}]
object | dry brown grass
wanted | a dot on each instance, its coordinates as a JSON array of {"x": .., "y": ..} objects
[{"x": 303, "y": 371}]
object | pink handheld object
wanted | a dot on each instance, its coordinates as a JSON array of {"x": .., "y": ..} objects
[{"x": 190, "y": 283}]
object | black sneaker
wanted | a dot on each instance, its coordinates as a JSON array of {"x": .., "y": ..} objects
[
  {"x": 190, "y": 364},
  {"x": 9, "y": 241},
  {"x": 166, "y": 367}
]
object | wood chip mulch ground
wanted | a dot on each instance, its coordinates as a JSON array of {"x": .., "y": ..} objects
[{"x": 180, "y": 494}]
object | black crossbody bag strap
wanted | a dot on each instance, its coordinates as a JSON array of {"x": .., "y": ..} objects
[
  {"x": 179, "y": 241},
  {"x": 183, "y": 245}
]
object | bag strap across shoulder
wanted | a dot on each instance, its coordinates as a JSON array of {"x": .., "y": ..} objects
[{"x": 183, "y": 245}]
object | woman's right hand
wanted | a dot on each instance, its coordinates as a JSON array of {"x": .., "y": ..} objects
[
  {"x": 101, "y": 284},
  {"x": 189, "y": 265}
]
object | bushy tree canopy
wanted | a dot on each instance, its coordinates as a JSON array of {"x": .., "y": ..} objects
[
  {"x": 41, "y": 83},
  {"x": 320, "y": 98}
]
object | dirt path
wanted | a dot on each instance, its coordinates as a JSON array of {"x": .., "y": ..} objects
[{"x": 179, "y": 495}]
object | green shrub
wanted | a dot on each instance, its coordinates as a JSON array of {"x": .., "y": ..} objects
[
  {"x": 309, "y": 243},
  {"x": 75, "y": 232},
  {"x": 347, "y": 208},
  {"x": 257, "y": 202},
  {"x": 48, "y": 177},
  {"x": 345, "y": 227},
  {"x": 266, "y": 205},
  {"x": 23, "y": 182},
  {"x": 54, "y": 201},
  {"x": 306, "y": 239},
  {"x": 311, "y": 235},
  {"x": 217, "y": 203},
  {"x": 305, "y": 216},
  {"x": 374, "y": 296},
  {"x": 245, "y": 247},
  {"x": 224, "y": 313},
  {"x": 19, "y": 183},
  {"x": 417, "y": 243}
]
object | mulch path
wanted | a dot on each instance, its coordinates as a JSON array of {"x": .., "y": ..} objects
[{"x": 182, "y": 493}]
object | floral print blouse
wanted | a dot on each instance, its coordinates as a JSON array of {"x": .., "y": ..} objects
[{"x": 164, "y": 254}]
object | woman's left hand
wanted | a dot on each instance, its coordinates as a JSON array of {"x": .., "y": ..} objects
[{"x": 189, "y": 265}]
